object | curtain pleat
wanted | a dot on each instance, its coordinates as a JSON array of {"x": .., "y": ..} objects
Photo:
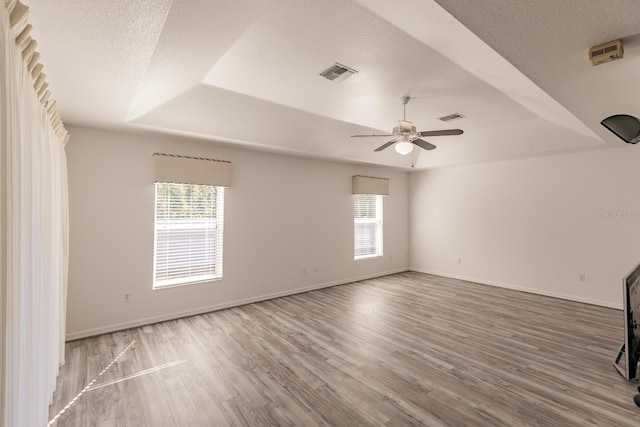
[{"x": 33, "y": 233}]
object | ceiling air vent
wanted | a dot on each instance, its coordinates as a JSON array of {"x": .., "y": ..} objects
[
  {"x": 606, "y": 52},
  {"x": 338, "y": 72},
  {"x": 449, "y": 117}
]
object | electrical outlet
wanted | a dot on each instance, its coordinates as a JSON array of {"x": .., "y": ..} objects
[
  {"x": 459, "y": 260},
  {"x": 315, "y": 268},
  {"x": 304, "y": 269},
  {"x": 127, "y": 297},
  {"x": 582, "y": 277}
]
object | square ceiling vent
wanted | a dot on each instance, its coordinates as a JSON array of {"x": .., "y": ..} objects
[
  {"x": 338, "y": 72},
  {"x": 449, "y": 117}
]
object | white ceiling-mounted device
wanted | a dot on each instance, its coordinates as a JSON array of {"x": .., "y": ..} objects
[
  {"x": 606, "y": 52},
  {"x": 338, "y": 72}
]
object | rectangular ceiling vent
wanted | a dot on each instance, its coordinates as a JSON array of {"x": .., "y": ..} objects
[
  {"x": 338, "y": 72},
  {"x": 449, "y": 117},
  {"x": 606, "y": 52}
]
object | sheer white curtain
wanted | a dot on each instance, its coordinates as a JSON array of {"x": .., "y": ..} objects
[{"x": 33, "y": 231}]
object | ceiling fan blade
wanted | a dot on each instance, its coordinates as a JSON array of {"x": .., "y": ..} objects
[
  {"x": 443, "y": 132},
  {"x": 383, "y": 146},
  {"x": 366, "y": 136},
  {"x": 423, "y": 144}
]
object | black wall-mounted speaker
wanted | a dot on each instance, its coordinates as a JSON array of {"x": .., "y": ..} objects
[{"x": 624, "y": 126}]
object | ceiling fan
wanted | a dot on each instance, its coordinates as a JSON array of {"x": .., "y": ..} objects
[{"x": 406, "y": 136}]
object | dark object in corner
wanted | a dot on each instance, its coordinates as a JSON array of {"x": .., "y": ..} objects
[
  {"x": 626, "y": 127},
  {"x": 636, "y": 399}
]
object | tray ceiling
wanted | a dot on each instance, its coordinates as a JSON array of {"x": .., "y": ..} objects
[{"x": 247, "y": 73}]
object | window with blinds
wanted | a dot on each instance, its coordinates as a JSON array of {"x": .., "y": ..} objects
[
  {"x": 188, "y": 234},
  {"x": 367, "y": 225}
]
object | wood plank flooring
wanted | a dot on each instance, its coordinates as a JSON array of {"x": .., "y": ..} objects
[{"x": 402, "y": 350}]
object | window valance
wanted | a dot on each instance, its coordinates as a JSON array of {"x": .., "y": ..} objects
[
  {"x": 370, "y": 185},
  {"x": 191, "y": 170}
]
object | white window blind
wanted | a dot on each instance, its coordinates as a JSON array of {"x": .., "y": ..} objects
[
  {"x": 188, "y": 233},
  {"x": 367, "y": 226}
]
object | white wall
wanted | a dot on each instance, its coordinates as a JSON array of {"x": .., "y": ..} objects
[
  {"x": 533, "y": 224},
  {"x": 281, "y": 213}
]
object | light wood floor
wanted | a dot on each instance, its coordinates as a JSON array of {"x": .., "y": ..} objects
[{"x": 406, "y": 349}]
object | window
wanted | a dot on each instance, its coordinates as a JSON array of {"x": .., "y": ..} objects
[
  {"x": 188, "y": 234},
  {"x": 367, "y": 225}
]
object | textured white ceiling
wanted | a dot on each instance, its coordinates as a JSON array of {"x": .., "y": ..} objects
[
  {"x": 280, "y": 56},
  {"x": 247, "y": 72},
  {"x": 95, "y": 53},
  {"x": 548, "y": 41}
]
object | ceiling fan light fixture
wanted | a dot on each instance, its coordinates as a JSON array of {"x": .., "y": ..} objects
[{"x": 404, "y": 147}]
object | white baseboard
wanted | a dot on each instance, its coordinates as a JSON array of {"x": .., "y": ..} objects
[
  {"x": 522, "y": 289},
  {"x": 207, "y": 309}
]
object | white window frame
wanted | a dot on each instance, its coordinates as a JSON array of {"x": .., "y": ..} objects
[
  {"x": 216, "y": 222},
  {"x": 378, "y": 247}
]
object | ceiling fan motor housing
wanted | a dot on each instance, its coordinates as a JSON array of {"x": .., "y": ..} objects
[{"x": 404, "y": 128}]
